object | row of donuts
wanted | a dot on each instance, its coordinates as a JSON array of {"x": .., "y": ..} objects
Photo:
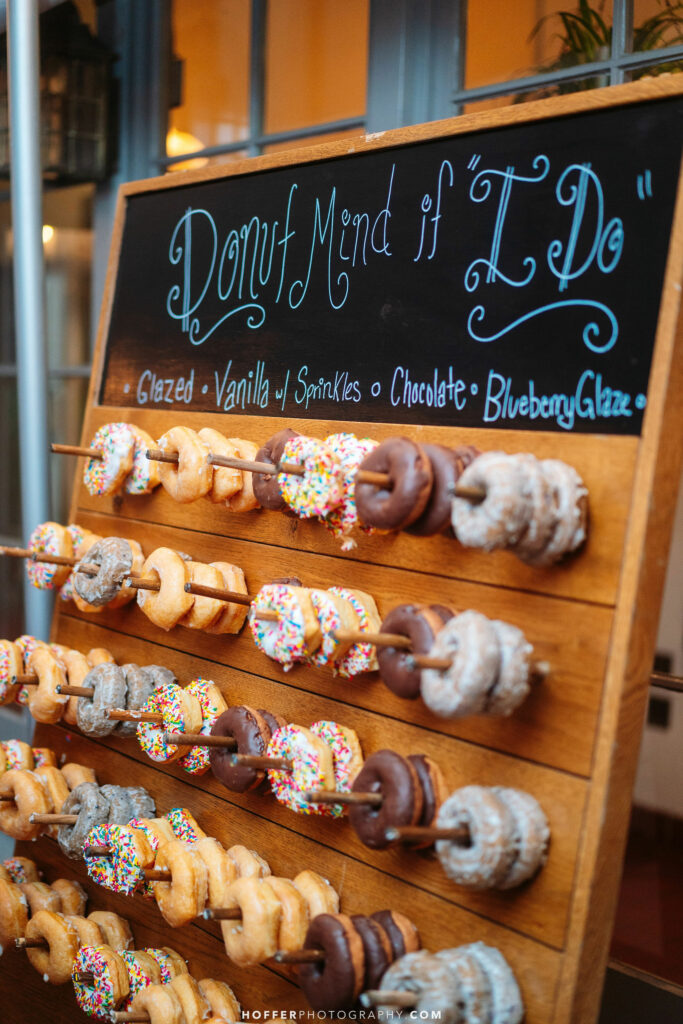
[
  {"x": 536, "y": 508},
  {"x": 23, "y": 894}
]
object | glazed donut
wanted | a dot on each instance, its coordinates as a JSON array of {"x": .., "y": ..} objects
[
  {"x": 143, "y": 970},
  {"x": 402, "y": 934},
  {"x": 43, "y": 757},
  {"x": 333, "y": 613},
  {"x": 212, "y": 706},
  {"x": 92, "y": 809},
  {"x": 232, "y": 616},
  {"x": 402, "y": 502},
  {"x": 294, "y": 918},
  {"x": 512, "y": 686},
  {"x": 254, "y": 938},
  {"x": 220, "y": 868},
  {"x": 320, "y": 895},
  {"x": 125, "y": 594},
  {"x": 160, "y": 1003},
  {"x": 312, "y": 768},
  {"x": 347, "y": 757},
  {"x": 350, "y": 451},
  {"x": 54, "y": 784},
  {"x": 28, "y": 797},
  {"x": 92, "y": 713},
  {"x": 506, "y": 1000},
  {"x": 195, "y": 1006},
  {"x": 114, "y": 558},
  {"x": 190, "y": 477},
  {"x": 167, "y": 606},
  {"x": 50, "y": 539},
  {"x": 335, "y": 982},
  {"x": 569, "y": 501},
  {"x": 45, "y": 704},
  {"x": 77, "y": 669},
  {"x": 11, "y": 666},
  {"x": 171, "y": 964},
  {"x": 245, "y": 500},
  {"x": 17, "y": 754},
  {"x": 376, "y": 949},
  {"x": 61, "y": 938},
  {"x": 532, "y": 835},
  {"x": 266, "y": 487},
  {"x": 446, "y": 466},
  {"x": 471, "y": 642},
  {"x": 89, "y": 933},
  {"x": 144, "y": 474},
  {"x": 41, "y": 896},
  {"x": 116, "y": 441},
  {"x": 181, "y": 712},
  {"x": 433, "y": 982},
  {"x": 184, "y": 897},
  {"x": 296, "y": 633},
  {"x": 21, "y": 869},
  {"x": 434, "y": 790},
  {"x": 485, "y": 861},
  {"x": 225, "y": 482},
  {"x": 100, "y": 656},
  {"x": 321, "y": 487},
  {"x": 116, "y": 930},
  {"x": 156, "y": 830},
  {"x": 75, "y": 774},
  {"x": 360, "y": 657},
  {"x": 252, "y": 734},
  {"x": 26, "y": 644},
  {"x": 421, "y": 625},
  {"x": 393, "y": 776},
  {"x": 184, "y": 825},
  {"x": 248, "y": 863},
  {"x": 13, "y": 913},
  {"x": 534, "y": 538},
  {"x": 139, "y": 689},
  {"x": 499, "y": 520},
  {"x": 221, "y": 999},
  {"x": 72, "y": 894},
  {"x": 475, "y": 991},
  {"x": 205, "y": 610}
]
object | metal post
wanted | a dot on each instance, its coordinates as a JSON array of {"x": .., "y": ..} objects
[
  {"x": 25, "y": 179},
  {"x": 257, "y": 74}
]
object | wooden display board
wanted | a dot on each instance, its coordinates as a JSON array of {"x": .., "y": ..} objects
[{"x": 601, "y": 225}]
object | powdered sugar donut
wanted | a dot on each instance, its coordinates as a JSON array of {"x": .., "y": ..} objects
[
  {"x": 295, "y": 634},
  {"x": 11, "y": 665},
  {"x": 321, "y": 487},
  {"x": 333, "y": 613},
  {"x": 471, "y": 642},
  {"x": 212, "y": 705},
  {"x": 342, "y": 520},
  {"x": 113, "y": 557},
  {"x": 347, "y": 756},
  {"x": 506, "y": 1000},
  {"x": 540, "y": 525},
  {"x": 486, "y": 859},
  {"x": 532, "y": 835},
  {"x": 513, "y": 683},
  {"x": 569, "y": 498},
  {"x": 109, "y": 987},
  {"x": 499, "y": 520},
  {"x": 181, "y": 713},
  {"x": 434, "y": 984},
  {"x": 144, "y": 474},
  {"x": 49, "y": 539},
  {"x": 312, "y": 768},
  {"x": 475, "y": 990},
  {"x": 116, "y": 441},
  {"x": 82, "y": 541},
  {"x": 360, "y": 657}
]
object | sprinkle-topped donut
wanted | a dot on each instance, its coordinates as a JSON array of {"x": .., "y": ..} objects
[
  {"x": 131, "y": 854},
  {"x": 17, "y": 755},
  {"x": 347, "y": 756},
  {"x": 116, "y": 441},
  {"x": 321, "y": 488},
  {"x": 26, "y": 644},
  {"x": 100, "y": 869},
  {"x": 350, "y": 450},
  {"x": 143, "y": 970},
  {"x": 360, "y": 657},
  {"x": 144, "y": 474},
  {"x": 333, "y": 613},
  {"x": 295, "y": 634},
  {"x": 174, "y": 704},
  {"x": 50, "y": 539},
  {"x": 109, "y": 986},
  {"x": 184, "y": 825},
  {"x": 212, "y": 705},
  {"x": 20, "y": 870},
  {"x": 312, "y": 768},
  {"x": 11, "y": 665}
]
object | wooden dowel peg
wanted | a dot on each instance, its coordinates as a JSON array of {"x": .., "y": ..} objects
[
  {"x": 667, "y": 681},
  {"x": 357, "y": 636},
  {"x": 326, "y": 796},
  {"x": 196, "y": 739},
  {"x": 157, "y": 875},
  {"x": 427, "y": 661},
  {"x": 264, "y": 763},
  {"x": 53, "y": 819},
  {"x": 266, "y": 615},
  {"x": 367, "y": 476},
  {"x": 43, "y": 556},
  {"x": 121, "y": 715},
  {"x": 388, "y": 997},
  {"x": 15, "y": 552},
  {"x": 97, "y": 851},
  {"x": 85, "y": 977},
  {"x": 156, "y": 455},
  {"x": 222, "y": 914},
  {"x": 250, "y": 467},
  {"x": 137, "y": 584},
  {"x": 429, "y": 833},
  {"x": 299, "y": 956},
  {"x": 473, "y": 494},
  {"x": 24, "y": 943},
  {"x": 128, "y": 1017},
  {"x": 221, "y": 595},
  {"x": 7, "y": 799},
  {"x": 75, "y": 691},
  {"x": 25, "y": 680},
  {"x": 76, "y": 449}
]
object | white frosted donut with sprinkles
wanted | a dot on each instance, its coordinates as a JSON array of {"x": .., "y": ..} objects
[
  {"x": 100, "y": 869},
  {"x": 360, "y": 657},
  {"x": 109, "y": 986},
  {"x": 312, "y": 768},
  {"x": 26, "y": 644},
  {"x": 116, "y": 441},
  {"x": 212, "y": 704},
  {"x": 144, "y": 474},
  {"x": 342, "y": 520},
  {"x": 181, "y": 713},
  {"x": 17, "y": 755},
  {"x": 334, "y": 613},
  {"x": 347, "y": 756},
  {"x": 11, "y": 665},
  {"x": 321, "y": 487},
  {"x": 295, "y": 634},
  {"x": 49, "y": 539}
]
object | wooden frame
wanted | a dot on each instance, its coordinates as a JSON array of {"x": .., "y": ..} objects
[{"x": 574, "y": 744}]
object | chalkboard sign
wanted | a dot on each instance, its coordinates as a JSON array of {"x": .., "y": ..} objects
[{"x": 502, "y": 278}]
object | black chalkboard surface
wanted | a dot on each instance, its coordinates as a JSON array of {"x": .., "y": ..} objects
[{"x": 500, "y": 278}]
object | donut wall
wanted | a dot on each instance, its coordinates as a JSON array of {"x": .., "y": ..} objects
[{"x": 502, "y": 282}]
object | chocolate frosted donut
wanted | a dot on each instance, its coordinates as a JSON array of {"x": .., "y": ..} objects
[
  {"x": 400, "y": 930},
  {"x": 273, "y": 721},
  {"x": 92, "y": 809},
  {"x": 336, "y": 982},
  {"x": 444, "y": 613},
  {"x": 403, "y": 501},
  {"x": 393, "y": 776},
  {"x": 376, "y": 946},
  {"x": 434, "y": 790},
  {"x": 396, "y": 667},
  {"x": 114, "y": 558},
  {"x": 251, "y": 732},
  {"x": 109, "y": 684},
  {"x": 446, "y": 467},
  {"x": 266, "y": 488}
]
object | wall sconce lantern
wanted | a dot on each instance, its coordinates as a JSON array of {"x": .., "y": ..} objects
[{"x": 75, "y": 100}]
